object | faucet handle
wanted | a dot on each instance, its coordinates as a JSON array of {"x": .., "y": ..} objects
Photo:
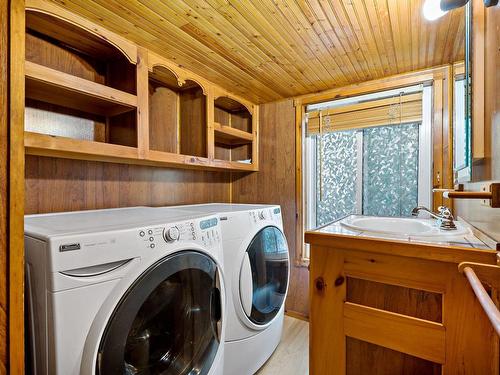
[
  {"x": 447, "y": 219},
  {"x": 445, "y": 212}
]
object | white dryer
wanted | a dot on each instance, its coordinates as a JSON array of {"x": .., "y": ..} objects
[
  {"x": 256, "y": 262},
  {"x": 125, "y": 291}
]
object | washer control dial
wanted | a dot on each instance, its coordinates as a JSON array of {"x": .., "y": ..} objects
[
  {"x": 171, "y": 234},
  {"x": 262, "y": 215}
]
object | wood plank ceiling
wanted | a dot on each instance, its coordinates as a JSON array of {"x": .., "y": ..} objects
[{"x": 271, "y": 49}]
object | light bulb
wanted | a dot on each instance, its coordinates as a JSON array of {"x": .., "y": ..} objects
[{"x": 432, "y": 11}]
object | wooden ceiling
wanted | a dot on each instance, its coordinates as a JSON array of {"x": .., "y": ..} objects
[{"x": 270, "y": 49}]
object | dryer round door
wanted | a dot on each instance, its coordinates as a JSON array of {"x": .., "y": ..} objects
[
  {"x": 264, "y": 276},
  {"x": 168, "y": 322}
]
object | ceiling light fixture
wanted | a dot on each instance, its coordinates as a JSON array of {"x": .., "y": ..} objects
[
  {"x": 432, "y": 10},
  {"x": 447, "y": 5},
  {"x": 452, "y": 4}
]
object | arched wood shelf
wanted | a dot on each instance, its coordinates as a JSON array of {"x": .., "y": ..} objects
[
  {"x": 235, "y": 131},
  {"x": 78, "y": 24},
  {"x": 92, "y": 95},
  {"x": 81, "y": 90},
  {"x": 177, "y": 114}
]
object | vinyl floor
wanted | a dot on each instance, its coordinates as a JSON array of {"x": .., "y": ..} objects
[{"x": 291, "y": 357}]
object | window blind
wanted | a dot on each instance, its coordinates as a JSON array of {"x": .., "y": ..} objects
[{"x": 387, "y": 111}]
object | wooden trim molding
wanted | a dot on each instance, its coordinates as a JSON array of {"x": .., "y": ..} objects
[
  {"x": 142, "y": 103},
  {"x": 4, "y": 170},
  {"x": 182, "y": 75},
  {"x": 16, "y": 190},
  {"x": 430, "y": 251},
  {"x": 127, "y": 48},
  {"x": 367, "y": 87},
  {"x": 459, "y": 69},
  {"x": 299, "y": 185},
  {"x": 478, "y": 68}
]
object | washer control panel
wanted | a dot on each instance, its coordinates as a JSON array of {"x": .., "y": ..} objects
[
  {"x": 204, "y": 231},
  {"x": 273, "y": 214},
  {"x": 210, "y": 233}
]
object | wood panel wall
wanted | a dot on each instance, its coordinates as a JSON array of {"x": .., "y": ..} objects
[
  {"x": 54, "y": 185},
  {"x": 275, "y": 184},
  {"x": 485, "y": 218}
]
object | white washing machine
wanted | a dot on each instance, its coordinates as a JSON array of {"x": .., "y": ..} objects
[
  {"x": 125, "y": 291},
  {"x": 256, "y": 263}
]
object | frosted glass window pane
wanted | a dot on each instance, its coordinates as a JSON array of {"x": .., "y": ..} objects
[
  {"x": 339, "y": 176},
  {"x": 58, "y": 124},
  {"x": 381, "y": 181},
  {"x": 390, "y": 170}
]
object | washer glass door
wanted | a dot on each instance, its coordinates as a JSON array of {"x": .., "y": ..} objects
[
  {"x": 264, "y": 275},
  {"x": 168, "y": 322}
]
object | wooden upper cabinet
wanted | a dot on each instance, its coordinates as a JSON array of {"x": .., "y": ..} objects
[
  {"x": 92, "y": 95},
  {"x": 235, "y": 133},
  {"x": 177, "y": 114},
  {"x": 81, "y": 95}
]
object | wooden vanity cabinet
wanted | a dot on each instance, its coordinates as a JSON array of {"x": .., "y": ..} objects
[{"x": 382, "y": 307}]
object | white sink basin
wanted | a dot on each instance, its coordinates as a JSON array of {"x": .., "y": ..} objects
[{"x": 401, "y": 226}]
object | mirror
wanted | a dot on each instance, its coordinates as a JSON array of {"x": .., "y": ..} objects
[{"x": 462, "y": 122}]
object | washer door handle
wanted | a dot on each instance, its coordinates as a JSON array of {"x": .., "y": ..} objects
[
  {"x": 216, "y": 307},
  {"x": 246, "y": 285},
  {"x": 216, "y": 312},
  {"x": 97, "y": 270}
]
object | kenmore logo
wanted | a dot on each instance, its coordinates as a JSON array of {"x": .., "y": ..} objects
[{"x": 69, "y": 247}]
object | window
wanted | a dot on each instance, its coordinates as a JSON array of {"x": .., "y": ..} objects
[{"x": 378, "y": 169}]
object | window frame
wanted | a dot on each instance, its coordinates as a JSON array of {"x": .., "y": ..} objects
[{"x": 441, "y": 81}]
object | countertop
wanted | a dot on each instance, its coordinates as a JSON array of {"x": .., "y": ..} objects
[{"x": 472, "y": 247}]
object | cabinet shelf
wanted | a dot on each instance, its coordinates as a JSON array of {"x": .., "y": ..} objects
[
  {"x": 231, "y": 136},
  {"x": 52, "y": 86},
  {"x": 234, "y": 165},
  {"x": 169, "y": 159},
  {"x": 69, "y": 148}
]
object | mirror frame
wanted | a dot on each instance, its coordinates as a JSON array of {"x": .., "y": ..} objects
[{"x": 463, "y": 173}]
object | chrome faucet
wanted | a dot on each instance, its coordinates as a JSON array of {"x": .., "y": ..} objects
[{"x": 445, "y": 218}]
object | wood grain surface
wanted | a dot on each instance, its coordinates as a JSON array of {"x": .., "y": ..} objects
[{"x": 266, "y": 50}]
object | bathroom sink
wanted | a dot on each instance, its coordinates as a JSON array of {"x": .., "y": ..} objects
[{"x": 401, "y": 226}]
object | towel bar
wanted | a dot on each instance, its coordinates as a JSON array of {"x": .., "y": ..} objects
[{"x": 490, "y": 274}]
